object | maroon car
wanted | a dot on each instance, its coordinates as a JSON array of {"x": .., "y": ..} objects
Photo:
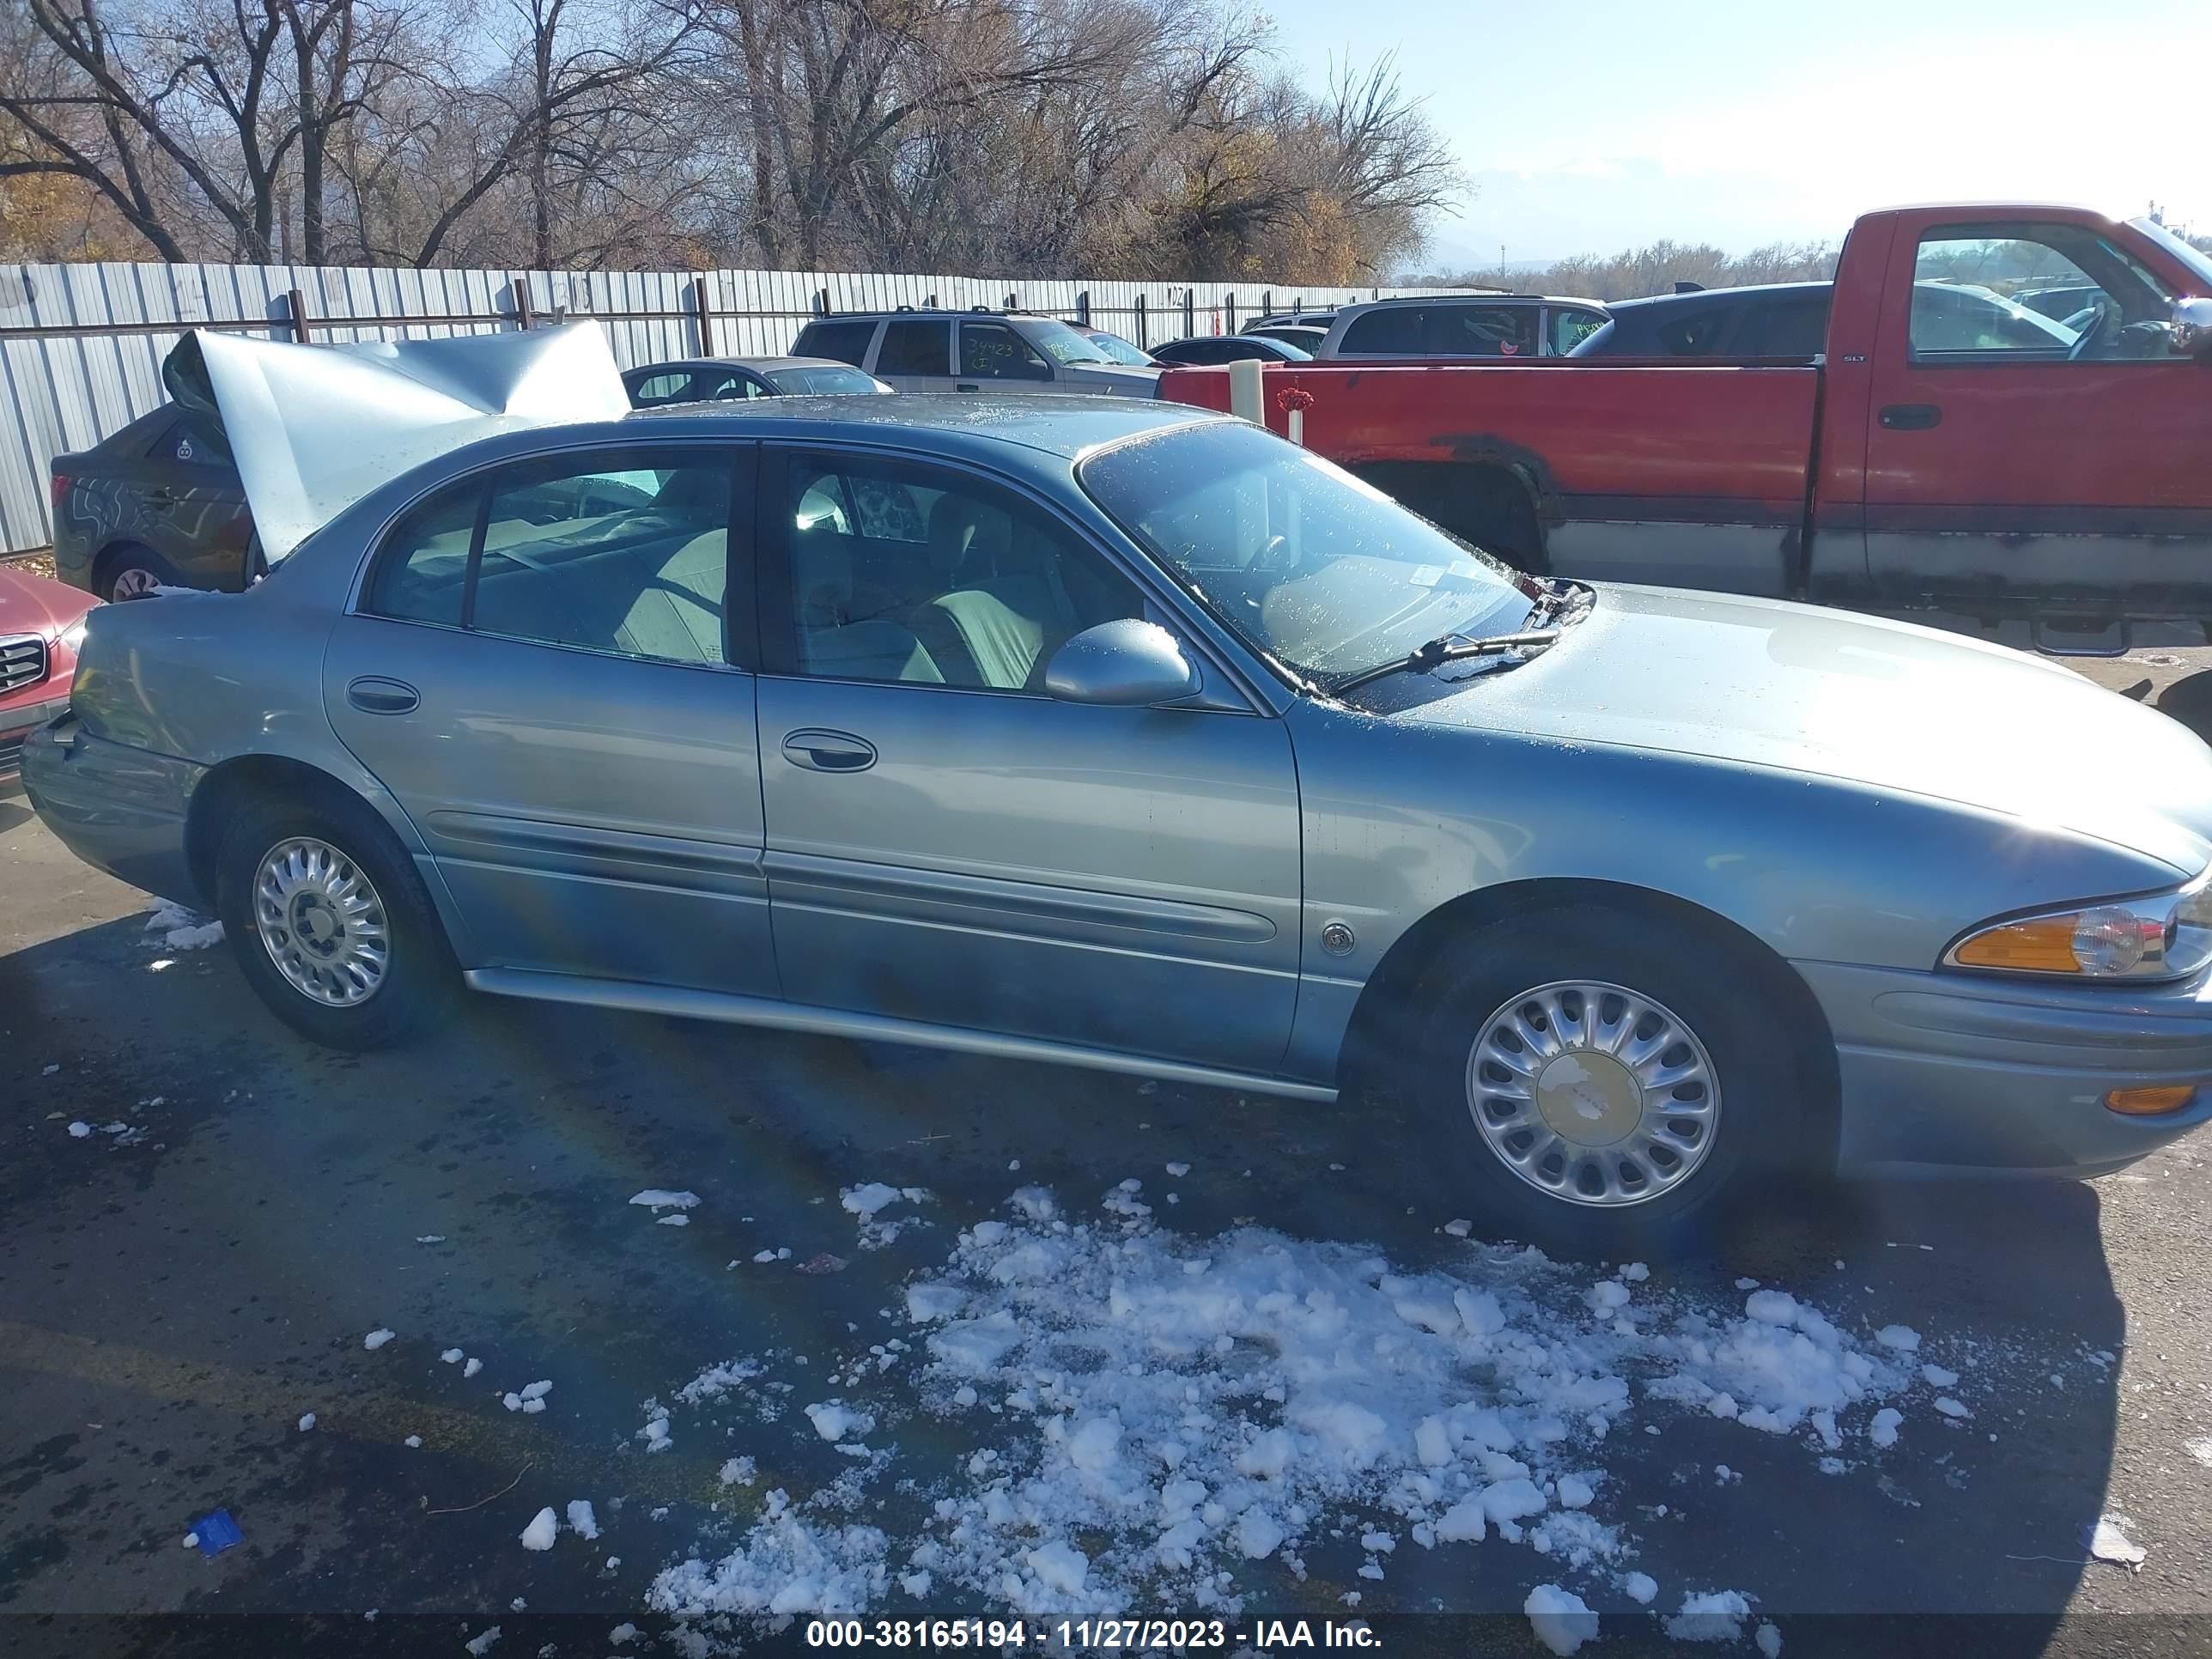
[{"x": 41, "y": 622}]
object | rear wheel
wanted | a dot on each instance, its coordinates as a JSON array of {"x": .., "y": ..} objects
[
  {"x": 332, "y": 925},
  {"x": 1602, "y": 1082},
  {"x": 131, "y": 572}
]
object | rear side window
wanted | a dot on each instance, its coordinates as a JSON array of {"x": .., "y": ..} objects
[
  {"x": 845, "y": 342},
  {"x": 1482, "y": 331},
  {"x": 1784, "y": 328},
  {"x": 915, "y": 348},
  {"x": 657, "y": 389},
  {"x": 1697, "y": 335},
  {"x": 1397, "y": 328},
  {"x": 625, "y": 551}
]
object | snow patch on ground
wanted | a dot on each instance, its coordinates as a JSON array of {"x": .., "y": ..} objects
[
  {"x": 658, "y": 1199},
  {"x": 1155, "y": 1415},
  {"x": 1711, "y": 1616},
  {"x": 180, "y": 929},
  {"x": 543, "y": 1528},
  {"x": 1562, "y": 1622}
]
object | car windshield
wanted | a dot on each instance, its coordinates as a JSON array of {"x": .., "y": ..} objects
[
  {"x": 2198, "y": 262},
  {"x": 1063, "y": 344},
  {"x": 800, "y": 382},
  {"x": 1118, "y": 351},
  {"x": 1317, "y": 570}
]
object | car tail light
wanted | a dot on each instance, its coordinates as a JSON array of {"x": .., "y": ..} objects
[{"x": 61, "y": 482}]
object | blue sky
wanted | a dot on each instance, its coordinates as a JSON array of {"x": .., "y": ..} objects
[{"x": 1588, "y": 127}]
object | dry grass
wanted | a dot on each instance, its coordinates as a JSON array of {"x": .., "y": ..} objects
[{"x": 40, "y": 563}]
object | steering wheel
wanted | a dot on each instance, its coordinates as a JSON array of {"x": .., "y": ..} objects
[{"x": 2090, "y": 331}]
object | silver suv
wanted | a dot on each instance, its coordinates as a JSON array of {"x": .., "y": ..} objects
[
  {"x": 978, "y": 350},
  {"x": 1478, "y": 325}
]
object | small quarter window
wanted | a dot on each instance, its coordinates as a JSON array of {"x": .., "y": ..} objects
[{"x": 423, "y": 573}]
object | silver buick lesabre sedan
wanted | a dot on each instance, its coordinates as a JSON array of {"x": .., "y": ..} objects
[{"x": 1123, "y": 735}]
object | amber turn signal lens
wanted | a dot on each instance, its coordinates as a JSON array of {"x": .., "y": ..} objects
[
  {"x": 2044, "y": 945},
  {"x": 2151, "y": 1103}
]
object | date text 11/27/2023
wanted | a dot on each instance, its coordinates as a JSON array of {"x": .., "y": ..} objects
[{"x": 1125, "y": 1634}]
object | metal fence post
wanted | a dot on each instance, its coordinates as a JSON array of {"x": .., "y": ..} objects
[
  {"x": 1013, "y": 301},
  {"x": 1230, "y": 304},
  {"x": 296, "y": 309},
  {"x": 1140, "y": 322},
  {"x": 822, "y": 302},
  {"x": 1083, "y": 308},
  {"x": 520, "y": 287},
  {"x": 706, "y": 316},
  {"x": 1268, "y": 302},
  {"x": 1189, "y": 313}
]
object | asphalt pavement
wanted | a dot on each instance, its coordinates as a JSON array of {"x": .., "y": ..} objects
[{"x": 184, "y": 1280}]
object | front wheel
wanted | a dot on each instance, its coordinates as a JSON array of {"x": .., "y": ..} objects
[
  {"x": 331, "y": 924},
  {"x": 1604, "y": 1083}
]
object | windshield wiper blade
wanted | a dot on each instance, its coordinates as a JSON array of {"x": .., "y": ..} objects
[{"x": 1448, "y": 648}]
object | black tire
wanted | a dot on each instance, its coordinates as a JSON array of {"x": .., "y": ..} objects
[
  {"x": 420, "y": 983},
  {"x": 1755, "y": 1073},
  {"x": 138, "y": 562}
]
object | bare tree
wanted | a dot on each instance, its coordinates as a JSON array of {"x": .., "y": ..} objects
[{"x": 202, "y": 108}]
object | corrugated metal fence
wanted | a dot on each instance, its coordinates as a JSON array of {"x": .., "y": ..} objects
[{"x": 80, "y": 346}]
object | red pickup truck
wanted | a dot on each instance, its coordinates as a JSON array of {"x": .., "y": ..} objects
[{"x": 2061, "y": 472}]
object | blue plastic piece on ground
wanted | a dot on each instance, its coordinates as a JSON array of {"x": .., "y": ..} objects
[{"x": 218, "y": 1533}]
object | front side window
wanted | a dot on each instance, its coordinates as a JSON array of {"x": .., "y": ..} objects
[
  {"x": 625, "y": 551},
  {"x": 992, "y": 351},
  {"x": 815, "y": 380},
  {"x": 1313, "y": 567},
  {"x": 2033, "y": 294},
  {"x": 1570, "y": 328},
  {"x": 912, "y": 573}
]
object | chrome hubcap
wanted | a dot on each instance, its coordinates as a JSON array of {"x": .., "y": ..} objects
[
  {"x": 135, "y": 582},
  {"x": 1593, "y": 1093},
  {"x": 321, "y": 921}
]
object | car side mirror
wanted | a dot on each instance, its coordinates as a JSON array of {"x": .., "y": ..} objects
[
  {"x": 2192, "y": 327},
  {"x": 1121, "y": 663}
]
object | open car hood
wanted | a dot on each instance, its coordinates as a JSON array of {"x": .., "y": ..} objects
[{"x": 314, "y": 428}]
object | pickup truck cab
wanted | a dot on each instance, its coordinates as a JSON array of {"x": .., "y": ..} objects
[{"x": 2061, "y": 474}]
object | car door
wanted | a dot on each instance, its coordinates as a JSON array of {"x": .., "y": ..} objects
[
  {"x": 947, "y": 843},
  {"x": 196, "y": 516},
  {"x": 915, "y": 354},
  {"x": 548, "y": 667},
  {"x": 2015, "y": 464},
  {"x": 994, "y": 356}
]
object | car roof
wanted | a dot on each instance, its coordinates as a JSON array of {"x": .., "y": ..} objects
[
  {"x": 1055, "y": 423},
  {"x": 1477, "y": 296},
  {"x": 1718, "y": 296},
  {"x": 762, "y": 364},
  {"x": 976, "y": 314}
]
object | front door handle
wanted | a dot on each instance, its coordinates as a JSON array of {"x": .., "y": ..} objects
[
  {"x": 1910, "y": 418},
  {"x": 818, "y": 750},
  {"x": 374, "y": 695}
]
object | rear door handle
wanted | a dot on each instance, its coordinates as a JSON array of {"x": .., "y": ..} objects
[
  {"x": 373, "y": 695},
  {"x": 1910, "y": 418},
  {"x": 160, "y": 497},
  {"x": 818, "y": 750}
]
